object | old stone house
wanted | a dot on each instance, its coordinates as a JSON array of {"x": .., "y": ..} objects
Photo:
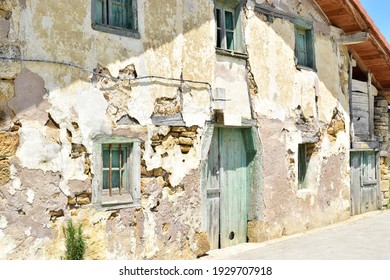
[{"x": 169, "y": 128}]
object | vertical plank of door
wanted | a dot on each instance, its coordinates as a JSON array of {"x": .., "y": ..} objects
[
  {"x": 355, "y": 182},
  {"x": 213, "y": 199},
  {"x": 233, "y": 187}
]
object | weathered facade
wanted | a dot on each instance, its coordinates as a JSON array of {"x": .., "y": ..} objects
[{"x": 169, "y": 128}]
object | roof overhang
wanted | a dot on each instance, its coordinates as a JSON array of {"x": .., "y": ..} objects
[{"x": 370, "y": 49}]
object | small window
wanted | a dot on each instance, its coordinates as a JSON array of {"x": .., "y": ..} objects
[
  {"x": 115, "y": 16},
  {"x": 117, "y": 171},
  {"x": 307, "y": 171},
  {"x": 304, "y": 44},
  {"x": 302, "y": 166},
  {"x": 227, "y": 16}
]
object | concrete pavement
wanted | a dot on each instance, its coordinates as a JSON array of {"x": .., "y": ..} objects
[{"x": 363, "y": 237}]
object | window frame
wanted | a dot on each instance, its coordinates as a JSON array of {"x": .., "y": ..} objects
[
  {"x": 305, "y": 27},
  {"x": 130, "y": 196},
  {"x": 233, "y": 7},
  {"x": 105, "y": 26}
]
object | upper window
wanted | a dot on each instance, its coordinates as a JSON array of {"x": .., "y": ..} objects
[
  {"x": 115, "y": 16},
  {"x": 227, "y": 15},
  {"x": 117, "y": 166},
  {"x": 304, "y": 44}
]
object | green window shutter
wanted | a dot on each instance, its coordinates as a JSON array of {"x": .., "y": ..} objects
[
  {"x": 129, "y": 17},
  {"x": 227, "y": 16},
  {"x": 239, "y": 44},
  {"x": 100, "y": 11},
  {"x": 229, "y": 29},
  {"x": 116, "y": 13},
  {"x": 310, "y": 49},
  {"x": 301, "y": 47},
  {"x": 304, "y": 43},
  {"x": 219, "y": 27}
]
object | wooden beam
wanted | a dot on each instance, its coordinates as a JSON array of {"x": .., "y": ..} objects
[
  {"x": 272, "y": 12},
  {"x": 355, "y": 38},
  {"x": 371, "y": 107},
  {"x": 364, "y": 68},
  {"x": 358, "y": 17}
]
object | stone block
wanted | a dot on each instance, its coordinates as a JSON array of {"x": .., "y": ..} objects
[
  {"x": 7, "y": 90},
  {"x": 185, "y": 149},
  {"x": 189, "y": 134},
  {"x": 56, "y": 213},
  {"x": 4, "y": 28},
  {"x": 174, "y": 134},
  {"x": 144, "y": 183},
  {"x": 157, "y": 172},
  {"x": 7, "y": 5},
  {"x": 146, "y": 172},
  {"x": 83, "y": 199},
  {"x": 9, "y": 143},
  {"x": 255, "y": 231},
  {"x": 385, "y": 185},
  {"x": 202, "y": 244},
  {"x": 9, "y": 69},
  {"x": 186, "y": 141},
  {"x": 178, "y": 129},
  {"x": 4, "y": 172},
  {"x": 72, "y": 201}
]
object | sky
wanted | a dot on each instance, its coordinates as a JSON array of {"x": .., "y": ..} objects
[{"x": 379, "y": 12}]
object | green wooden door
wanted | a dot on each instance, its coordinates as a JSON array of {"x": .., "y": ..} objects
[
  {"x": 365, "y": 193},
  {"x": 227, "y": 188}
]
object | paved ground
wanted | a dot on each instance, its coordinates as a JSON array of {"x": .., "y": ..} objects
[{"x": 364, "y": 237}]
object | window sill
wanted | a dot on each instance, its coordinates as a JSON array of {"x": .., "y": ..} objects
[
  {"x": 116, "y": 199},
  {"x": 307, "y": 68},
  {"x": 110, "y": 207},
  {"x": 231, "y": 53},
  {"x": 116, "y": 30}
]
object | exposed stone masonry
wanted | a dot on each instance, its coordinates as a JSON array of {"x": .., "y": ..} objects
[
  {"x": 183, "y": 136},
  {"x": 9, "y": 142},
  {"x": 381, "y": 123}
]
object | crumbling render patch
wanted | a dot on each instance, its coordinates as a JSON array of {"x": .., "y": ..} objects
[
  {"x": 116, "y": 90},
  {"x": 336, "y": 125},
  {"x": 34, "y": 107},
  {"x": 7, "y": 90},
  {"x": 4, "y": 172}
]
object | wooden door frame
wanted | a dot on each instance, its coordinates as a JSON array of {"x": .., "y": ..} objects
[
  {"x": 378, "y": 176},
  {"x": 253, "y": 148}
]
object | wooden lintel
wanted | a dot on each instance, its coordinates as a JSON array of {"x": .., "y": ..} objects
[
  {"x": 355, "y": 38},
  {"x": 272, "y": 12}
]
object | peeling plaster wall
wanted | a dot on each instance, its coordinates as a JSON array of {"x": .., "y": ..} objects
[
  {"x": 295, "y": 106},
  {"x": 54, "y": 107},
  {"x": 51, "y": 112}
]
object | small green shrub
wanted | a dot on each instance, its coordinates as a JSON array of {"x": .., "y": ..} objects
[{"x": 74, "y": 242}]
